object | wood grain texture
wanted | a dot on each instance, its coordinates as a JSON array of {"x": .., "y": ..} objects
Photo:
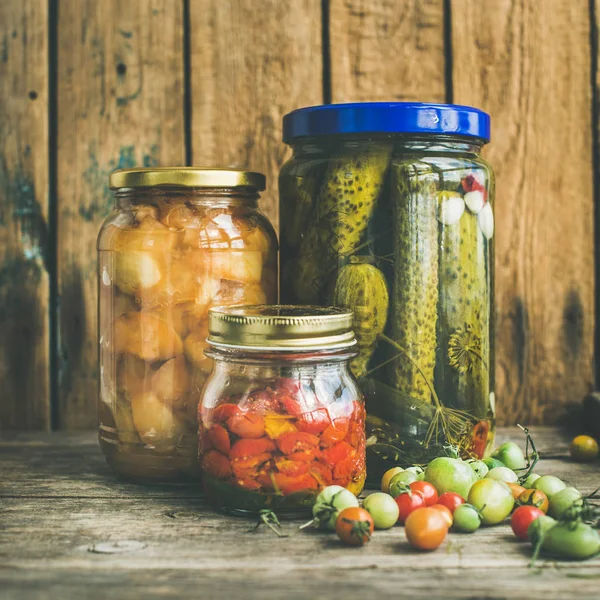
[
  {"x": 387, "y": 50},
  {"x": 24, "y": 251},
  {"x": 50, "y": 541},
  {"x": 528, "y": 64},
  {"x": 250, "y": 64},
  {"x": 121, "y": 104}
]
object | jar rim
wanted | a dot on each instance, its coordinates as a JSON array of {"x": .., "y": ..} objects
[
  {"x": 189, "y": 177},
  {"x": 280, "y": 328}
]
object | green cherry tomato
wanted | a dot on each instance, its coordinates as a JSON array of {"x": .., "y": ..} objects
[
  {"x": 466, "y": 518},
  {"x": 480, "y": 468},
  {"x": 330, "y": 502},
  {"x": 511, "y": 456},
  {"x": 563, "y": 500},
  {"x": 529, "y": 480},
  {"x": 383, "y": 508},
  {"x": 549, "y": 484},
  {"x": 493, "y": 499},
  {"x": 539, "y": 527},
  {"x": 503, "y": 474},
  {"x": 584, "y": 448},
  {"x": 492, "y": 463},
  {"x": 418, "y": 471},
  {"x": 450, "y": 475},
  {"x": 400, "y": 482},
  {"x": 572, "y": 540}
]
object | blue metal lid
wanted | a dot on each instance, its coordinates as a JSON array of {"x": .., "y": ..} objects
[{"x": 386, "y": 117}]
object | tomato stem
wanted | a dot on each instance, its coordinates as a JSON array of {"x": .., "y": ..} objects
[{"x": 532, "y": 459}]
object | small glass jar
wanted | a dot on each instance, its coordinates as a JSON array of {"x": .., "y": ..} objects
[
  {"x": 386, "y": 208},
  {"x": 281, "y": 415},
  {"x": 178, "y": 241}
]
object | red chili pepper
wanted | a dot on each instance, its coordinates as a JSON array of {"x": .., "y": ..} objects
[
  {"x": 244, "y": 448},
  {"x": 470, "y": 184},
  {"x": 289, "y": 485},
  {"x": 292, "y": 468},
  {"x": 247, "y": 425},
  {"x": 335, "y": 454},
  {"x": 217, "y": 464},
  {"x": 220, "y": 438},
  {"x": 250, "y": 467},
  {"x": 295, "y": 442}
]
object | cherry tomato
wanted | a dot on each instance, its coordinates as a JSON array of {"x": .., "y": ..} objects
[
  {"x": 549, "y": 484},
  {"x": 522, "y": 518},
  {"x": 535, "y": 498},
  {"x": 451, "y": 501},
  {"x": 426, "y": 528},
  {"x": 245, "y": 448},
  {"x": 383, "y": 509},
  {"x": 354, "y": 526},
  {"x": 584, "y": 448},
  {"x": 387, "y": 478},
  {"x": 219, "y": 438},
  {"x": 247, "y": 425},
  {"x": 466, "y": 518},
  {"x": 516, "y": 489},
  {"x": 400, "y": 481},
  {"x": 493, "y": 499},
  {"x": 511, "y": 455},
  {"x": 445, "y": 511},
  {"x": 426, "y": 490},
  {"x": 407, "y": 503},
  {"x": 217, "y": 464}
]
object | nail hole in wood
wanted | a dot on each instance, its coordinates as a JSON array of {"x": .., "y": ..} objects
[
  {"x": 32, "y": 95},
  {"x": 121, "y": 69}
]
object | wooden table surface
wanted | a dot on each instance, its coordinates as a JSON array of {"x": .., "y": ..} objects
[{"x": 68, "y": 528}]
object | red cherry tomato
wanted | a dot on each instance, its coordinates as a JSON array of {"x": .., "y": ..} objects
[
  {"x": 451, "y": 501},
  {"x": 522, "y": 518},
  {"x": 247, "y": 425},
  {"x": 426, "y": 490},
  {"x": 408, "y": 502}
]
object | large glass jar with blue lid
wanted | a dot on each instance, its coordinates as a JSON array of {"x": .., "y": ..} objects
[{"x": 387, "y": 208}]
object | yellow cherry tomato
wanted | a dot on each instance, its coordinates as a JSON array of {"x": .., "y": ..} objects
[{"x": 584, "y": 448}]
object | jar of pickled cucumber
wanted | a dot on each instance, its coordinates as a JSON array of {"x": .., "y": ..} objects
[
  {"x": 387, "y": 208},
  {"x": 281, "y": 415},
  {"x": 178, "y": 241}
]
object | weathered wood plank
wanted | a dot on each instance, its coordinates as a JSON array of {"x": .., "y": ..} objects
[
  {"x": 24, "y": 252},
  {"x": 387, "y": 50},
  {"x": 528, "y": 64},
  {"x": 183, "y": 546},
  {"x": 251, "y": 64},
  {"x": 120, "y": 97}
]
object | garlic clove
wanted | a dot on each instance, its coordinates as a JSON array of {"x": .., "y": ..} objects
[
  {"x": 451, "y": 208},
  {"x": 475, "y": 201},
  {"x": 485, "y": 218}
]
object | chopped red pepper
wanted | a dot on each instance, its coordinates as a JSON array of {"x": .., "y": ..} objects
[
  {"x": 217, "y": 464},
  {"x": 220, "y": 438},
  {"x": 247, "y": 425},
  {"x": 244, "y": 448},
  {"x": 470, "y": 184}
]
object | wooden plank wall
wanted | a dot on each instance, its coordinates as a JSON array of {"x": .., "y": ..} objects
[{"x": 87, "y": 86}]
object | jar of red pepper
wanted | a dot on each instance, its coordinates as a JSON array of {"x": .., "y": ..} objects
[{"x": 281, "y": 416}]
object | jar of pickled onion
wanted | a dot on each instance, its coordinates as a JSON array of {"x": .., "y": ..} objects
[
  {"x": 281, "y": 416},
  {"x": 178, "y": 241}
]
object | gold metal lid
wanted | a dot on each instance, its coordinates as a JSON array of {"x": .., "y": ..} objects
[
  {"x": 280, "y": 327},
  {"x": 186, "y": 177}
]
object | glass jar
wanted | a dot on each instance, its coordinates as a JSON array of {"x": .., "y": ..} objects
[
  {"x": 178, "y": 241},
  {"x": 387, "y": 209},
  {"x": 281, "y": 415}
]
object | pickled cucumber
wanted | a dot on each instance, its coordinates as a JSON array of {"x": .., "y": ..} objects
[
  {"x": 297, "y": 191},
  {"x": 415, "y": 286},
  {"x": 464, "y": 316},
  {"x": 344, "y": 207},
  {"x": 362, "y": 287}
]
